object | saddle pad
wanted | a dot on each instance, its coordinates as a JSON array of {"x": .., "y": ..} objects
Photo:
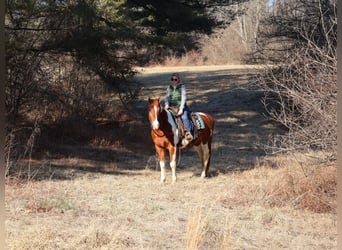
[{"x": 199, "y": 121}]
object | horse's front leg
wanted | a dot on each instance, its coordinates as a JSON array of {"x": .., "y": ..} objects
[
  {"x": 173, "y": 165},
  {"x": 161, "y": 156}
]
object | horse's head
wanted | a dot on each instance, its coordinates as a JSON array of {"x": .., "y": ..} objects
[{"x": 154, "y": 110}]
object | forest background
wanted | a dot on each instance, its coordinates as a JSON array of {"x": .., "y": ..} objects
[{"x": 64, "y": 58}]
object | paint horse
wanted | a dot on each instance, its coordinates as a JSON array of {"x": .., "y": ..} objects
[{"x": 165, "y": 135}]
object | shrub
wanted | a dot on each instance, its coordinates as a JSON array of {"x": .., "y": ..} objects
[{"x": 301, "y": 91}]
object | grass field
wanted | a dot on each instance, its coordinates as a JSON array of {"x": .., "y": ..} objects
[{"x": 107, "y": 195}]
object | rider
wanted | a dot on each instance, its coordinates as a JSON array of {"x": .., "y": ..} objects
[{"x": 176, "y": 98}]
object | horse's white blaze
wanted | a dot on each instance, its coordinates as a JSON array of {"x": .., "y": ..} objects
[
  {"x": 155, "y": 123},
  {"x": 174, "y": 128}
]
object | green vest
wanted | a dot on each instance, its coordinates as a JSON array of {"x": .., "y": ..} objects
[{"x": 175, "y": 95}]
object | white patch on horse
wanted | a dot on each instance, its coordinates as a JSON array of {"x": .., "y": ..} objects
[
  {"x": 155, "y": 123},
  {"x": 174, "y": 127}
]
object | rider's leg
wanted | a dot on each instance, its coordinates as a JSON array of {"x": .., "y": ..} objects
[{"x": 187, "y": 122}]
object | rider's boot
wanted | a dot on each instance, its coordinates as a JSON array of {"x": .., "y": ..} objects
[{"x": 188, "y": 136}]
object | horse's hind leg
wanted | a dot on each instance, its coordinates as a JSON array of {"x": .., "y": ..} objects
[{"x": 203, "y": 151}]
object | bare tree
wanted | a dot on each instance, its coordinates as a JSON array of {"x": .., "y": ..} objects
[
  {"x": 248, "y": 22},
  {"x": 301, "y": 92}
]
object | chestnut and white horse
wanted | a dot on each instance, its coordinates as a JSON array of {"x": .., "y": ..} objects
[{"x": 165, "y": 135}]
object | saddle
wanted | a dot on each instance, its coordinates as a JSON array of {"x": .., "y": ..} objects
[{"x": 196, "y": 121}]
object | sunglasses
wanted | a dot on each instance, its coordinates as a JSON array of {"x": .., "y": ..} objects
[{"x": 174, "y": 79}]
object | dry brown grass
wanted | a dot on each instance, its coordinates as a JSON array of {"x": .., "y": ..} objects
[
  {"x": 196, "y": 229},
  {"x": 251, "y": 209},
  {"x": 293, "y": 183},
  {"x": 104, "y": 196},
  {"x": 304, "y": 186},
  {"x": 192, "y": 58}
]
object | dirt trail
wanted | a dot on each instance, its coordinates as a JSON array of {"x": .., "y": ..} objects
[
  {"x": 232, "y": 98},
  {"x": 110, "y": 197}
]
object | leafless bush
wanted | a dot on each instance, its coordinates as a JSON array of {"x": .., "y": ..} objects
[
  {"x": 46, "y": 92},
  {"x": 303, "y": 186},
  {"x": 72, "y": 93},
  {"x": 19, "y": 144},
  {"x": 49, "y": 88},
  {"x": 291, "y": 180},
  {"x": 303, "y": 96},
  {"x": 24, "y": 75},
  {"x": 301, "y": 93}
]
